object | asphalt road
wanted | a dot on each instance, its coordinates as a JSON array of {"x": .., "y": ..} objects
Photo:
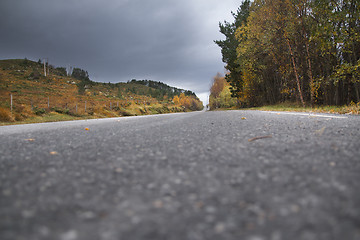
[{"x": 204, "y": 175}]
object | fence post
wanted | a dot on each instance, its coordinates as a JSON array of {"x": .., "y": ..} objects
[
  {"x": 11, "y": 102},
  {"x": 44, "y": 68},
  {"x": 76, "y": 107},
  {"x": 48, "y": 102},
  {"x": 110, "y": 106},
  {"x": 85, "y": 106}
]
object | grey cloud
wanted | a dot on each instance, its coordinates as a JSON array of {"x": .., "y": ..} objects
[{"x": 117, "y": 40}]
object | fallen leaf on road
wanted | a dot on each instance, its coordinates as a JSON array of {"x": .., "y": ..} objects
[
  {"x": 119, "y": 170},
  {"x": 199, "y": 204},
  {"x": 251, "y": 226},
  {"x": 295, "y": 208},
  {"x": 54, "y": 153},
  {"x": 320, "y": 132},
  {"x": 260, "y": 137},
  {"x": 158, "y": 204},
  {"x": 87, "y": 129},
  {"x": 30, "y": 139},
  {"x": 220, "y": 228},
  {"x": 243, "y": 118}
]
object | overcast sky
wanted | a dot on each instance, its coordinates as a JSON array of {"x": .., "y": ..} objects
[{"x": 117, "y": 40}]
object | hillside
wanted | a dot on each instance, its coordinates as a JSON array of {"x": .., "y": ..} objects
[{"x": 34, "y": 94}]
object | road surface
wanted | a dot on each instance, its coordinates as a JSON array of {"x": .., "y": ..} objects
[{"x": 204, "y": 175}]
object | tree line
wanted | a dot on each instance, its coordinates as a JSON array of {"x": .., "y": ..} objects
[
  {"x": 305, "y": 51},
  {"x": 161, "y": 89}
]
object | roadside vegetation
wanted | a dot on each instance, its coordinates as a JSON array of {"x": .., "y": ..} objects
[
  {"x": 220, "y": 99},
  {"x": 291, "y": 107},
  {"x": 27, "y": 95},
  {"x": 295, "y": 52}
]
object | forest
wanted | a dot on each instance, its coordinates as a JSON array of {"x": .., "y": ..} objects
[
  {"x": 162, "y": 89},
  {"x": 302, "y": 51}
]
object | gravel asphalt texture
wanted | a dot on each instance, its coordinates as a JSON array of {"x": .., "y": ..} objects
[{"x": 248, "y": 175}]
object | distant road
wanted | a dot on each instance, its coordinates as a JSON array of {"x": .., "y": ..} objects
[{"x": 204, "y": 175}]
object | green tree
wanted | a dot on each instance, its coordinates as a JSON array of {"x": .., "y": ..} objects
[
  {"x": 61, "y": 71},
  {"x": 229, "y": 45},
  {"x": 80, "y": 74},
  {"x": 278, "y": 43},
  {"x": 335, "y": 32}
]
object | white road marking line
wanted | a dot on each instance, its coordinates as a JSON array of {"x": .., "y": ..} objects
[{"x": 306, "y": 114}]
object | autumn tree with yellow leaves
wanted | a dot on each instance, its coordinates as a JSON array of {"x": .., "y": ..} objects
[
  {"x": 188, "y": 102},
  {"x": 220, "y": 94},
  {"x": 305, "y": 51}
]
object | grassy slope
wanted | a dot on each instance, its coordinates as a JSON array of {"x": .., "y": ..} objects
[
  {"x": 293, "y": 107},
  {"x": 31, "y": 96},
  {"x": 348, "y": 109}
]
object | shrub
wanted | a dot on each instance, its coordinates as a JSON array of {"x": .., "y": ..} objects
[
  {"x": 39, "y": 111},
  {"x": 22, "y": 112},
  {"x": 34, "y": 75},
  {"x": 66, "y": 111},
  {"x": 19, "y": 117},
  {"x": 72, "y": 113},
  {"x": 125, "y": 113},
  {"x": 61, "y": 110},
  {"x": 61, "y": 71},
  {"x": 116, "y": 108},
  {"x": 5, "y": 115},
  {"x": 25, "y": 63}
]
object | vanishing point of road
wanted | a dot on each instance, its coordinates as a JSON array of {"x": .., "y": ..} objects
[{"x": 204, "y": 175}]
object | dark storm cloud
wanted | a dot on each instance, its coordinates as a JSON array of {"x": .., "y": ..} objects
[{"x": 117, "y": 40}]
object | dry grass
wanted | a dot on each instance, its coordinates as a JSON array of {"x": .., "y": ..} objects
[
  {"x": 5, "y": 115},
  {"x": 352, "y": 108},
  {"x": 54, "y": 96}
]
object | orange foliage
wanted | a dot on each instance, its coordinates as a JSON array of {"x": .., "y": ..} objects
[
  {"x": 5, "y": 115},
  {"x": 176, "y": 100},
  {"x": 188, "y": 102},
  {"x": 218, "y": 85}
]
